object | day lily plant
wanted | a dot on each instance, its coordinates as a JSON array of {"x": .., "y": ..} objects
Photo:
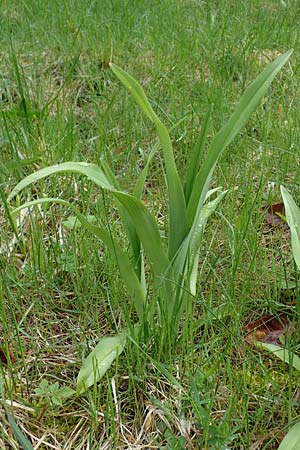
[{"x": 173, "y": 262}]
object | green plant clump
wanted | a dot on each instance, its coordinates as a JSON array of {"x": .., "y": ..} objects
[{"x": 173, "y": 262}]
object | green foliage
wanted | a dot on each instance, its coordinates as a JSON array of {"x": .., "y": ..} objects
[
  {"x": 72, "y": 223},
  {"x": 173, "y": 266},
  {"x": 53, "y": 394},
  {"x": 293, "y": 219},
  {"x": 292, "y": 440},
  {"x": 282, "y": 353},
  {"x": 99, "y": 361}
]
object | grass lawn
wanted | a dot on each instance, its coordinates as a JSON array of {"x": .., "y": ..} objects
[{"x": 60, "y": 290}]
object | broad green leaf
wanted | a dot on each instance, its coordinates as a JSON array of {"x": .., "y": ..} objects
[
  {"x": 22, "y": 439},
  {"x": 99, "y": 361},
  {"x": 282, "y": 353},
  {"x": 123, "y": 262},
  {"x": 136, "y": 90},
  {"x": 245, "y": 107},
  {"x": 238, "y": 119},
  {"x": 66, "y": 392},
  {"x": 93, "y": 172},
  {"x": 292, "y": 440},
  {"x": 72, "y": 222},
  {"x": 148, "y": 233},
  {"x": 292, "y": 213},
  {"x": 177, "y": 204}
]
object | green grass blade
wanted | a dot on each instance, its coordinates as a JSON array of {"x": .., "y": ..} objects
[
  {"x": 22, "y": 439},
  {"x": 140, "y": 184},
  {"x": 292, "y": 213},
  {"x": 177, "y": 204},
  {"x": 99, "y": 361},
  {"x": 246, "y": 106},
  {"x": 292, "y": 440},
  {"x": 127, "y": 272},
  {"x": 207, "y": 210},
  {"x": 195, "y": 158}
]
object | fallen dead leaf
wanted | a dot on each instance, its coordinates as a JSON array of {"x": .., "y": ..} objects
[
  {"x": 268, "y": 329},
  {"x": 273, "y": 214},
  {"x": 7, "y": 356}
]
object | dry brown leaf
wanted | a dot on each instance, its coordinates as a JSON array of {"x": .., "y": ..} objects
[
  {"x": 268, "y": 329},
  {"x": 273, "y": 214},
  {"x": 6, "y": 356}
]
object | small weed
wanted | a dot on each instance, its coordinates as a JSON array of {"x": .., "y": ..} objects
[{"x": 52, "y": 395}]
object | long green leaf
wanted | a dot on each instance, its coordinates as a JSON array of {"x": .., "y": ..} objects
[
  {"x": 148, "y": 232},
  {"x": 292, "y": 213},
  {"x": 130, "y": 229},
  {"x": 245, "y": 107},
  {"x": 177, "y": 204},
  {"x": 292, "y": 440},
  {"x": 93, "y": 172},
  {"x": 187, "y": 249},
  {"x": 282, "y": 353},
  {"x": 143, "y": 221},
  {"x": 238, "y": 119},
  {"x": 99, "y": 361},
  {"x": 134, "y": 240}
]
